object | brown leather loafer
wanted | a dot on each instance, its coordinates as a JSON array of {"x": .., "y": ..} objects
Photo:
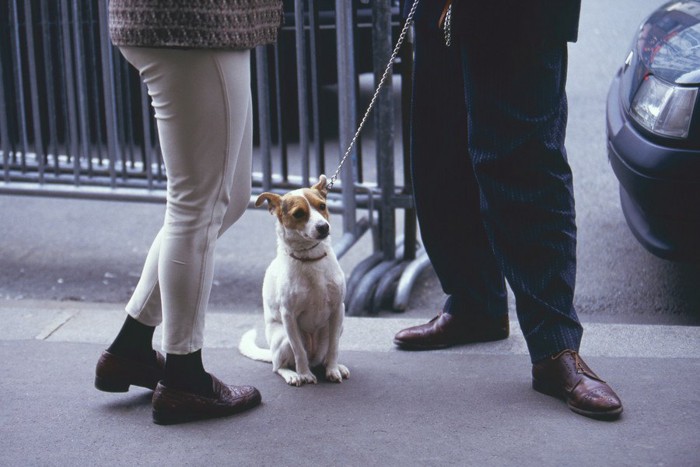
[
  {"x": 176, "y": 406},
  {"x": 116, "y": 374},
  {"x": 446, "y": 330},
  {"x": 567, "y": 377}
]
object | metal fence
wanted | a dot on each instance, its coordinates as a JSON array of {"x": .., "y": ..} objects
[{"x": 75, "y": 122}]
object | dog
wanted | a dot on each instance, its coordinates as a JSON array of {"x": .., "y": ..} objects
[{"x": 303, "y": 291}]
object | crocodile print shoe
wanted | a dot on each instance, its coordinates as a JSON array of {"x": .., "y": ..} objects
[{"x": 172, "y": 406}]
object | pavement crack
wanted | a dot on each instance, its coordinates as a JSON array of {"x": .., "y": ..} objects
[{"x": 55, "y": 325}]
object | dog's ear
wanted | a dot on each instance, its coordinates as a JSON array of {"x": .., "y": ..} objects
[
  {"x": 273, "y": 201},
  {"x": 322, "y": 185}
]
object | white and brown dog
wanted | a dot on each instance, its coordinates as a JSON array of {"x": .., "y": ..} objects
[{"x": 303, "y": 291}]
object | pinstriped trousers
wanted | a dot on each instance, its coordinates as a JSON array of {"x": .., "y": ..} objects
[
  {"x": 203, "y": 109},
  {"x": 493, "y": 187}
]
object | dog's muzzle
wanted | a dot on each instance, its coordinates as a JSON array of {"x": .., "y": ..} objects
[{"x": 323, "y": 230}]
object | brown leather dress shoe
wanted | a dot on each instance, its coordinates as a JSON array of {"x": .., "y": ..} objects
[
  {"x": 116, "y": 374},
  {"x": 446, "y": 330},
  {"x": 176, "y": 406},
  {"x": 567, "y": 377}
]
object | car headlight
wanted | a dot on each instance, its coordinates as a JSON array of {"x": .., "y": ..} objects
[{"x": 662, "y": 108}]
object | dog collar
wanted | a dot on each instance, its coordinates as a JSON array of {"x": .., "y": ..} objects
[
  {"x": 309, "y": 248},
  {"x": 308, "y": 260}
]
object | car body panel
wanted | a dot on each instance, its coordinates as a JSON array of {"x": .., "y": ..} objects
[{"x": 659, "y": 176}]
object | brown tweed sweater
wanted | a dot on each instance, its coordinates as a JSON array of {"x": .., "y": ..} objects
[{"x": 209, "y": 24}]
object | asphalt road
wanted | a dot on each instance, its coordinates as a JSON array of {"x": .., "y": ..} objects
[{"x": 92, "y": 251}]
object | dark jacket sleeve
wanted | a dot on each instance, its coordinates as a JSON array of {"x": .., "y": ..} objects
[{"x": 529, "y": 20}]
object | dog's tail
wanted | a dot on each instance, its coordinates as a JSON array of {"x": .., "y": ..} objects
[{"x": 250, "y": 349}]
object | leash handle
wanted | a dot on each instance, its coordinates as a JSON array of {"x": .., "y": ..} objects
[{"x": 399, "y": 41}]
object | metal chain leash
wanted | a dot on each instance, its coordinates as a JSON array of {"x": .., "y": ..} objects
[
  {"x": 399, "y": 41},
  {"x": 447, "y": 26}
]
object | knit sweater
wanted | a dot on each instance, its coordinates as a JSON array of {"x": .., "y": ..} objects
[{"x": 210, "y": 24}]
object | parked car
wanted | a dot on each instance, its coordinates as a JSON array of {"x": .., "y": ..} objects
[{"x": 653, "y": 132}]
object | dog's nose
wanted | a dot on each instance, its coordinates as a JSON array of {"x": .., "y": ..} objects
[{"x": 323, "y": 229}]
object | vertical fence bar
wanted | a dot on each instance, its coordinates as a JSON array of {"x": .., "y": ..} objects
[
  {"x": 122, "y": 116},
  {"x": 81, "y": 88},
  {"x": 4, "y": 128},
  {"x": 284, "y": 157},
  {"x": 146, "y": 147},
  {"x": 62, "y": 115},
  {"x": 4, "y": 131},
  {"x": 347, "y": 113},
  {"x": 34, "y": 90},
  {"x": 19, "y": 86},
  {"x": 108, "y": 90},
  {"x": 410, "y": 220},
  {"x": 384, "y": 125},
  {"x": 359, "y": 158},
  {"x": 262, "y": 79},
  {"x": 315, "y": 87},
  {"x": 52, "y": 143},
  {"x": 70, "y": 93},
  {"x": 129, "y": 114},
  {"x": 93, "y": 44},
  {"x": 302, "y": 89}
]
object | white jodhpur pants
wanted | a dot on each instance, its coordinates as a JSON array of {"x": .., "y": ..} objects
[{"x": 202, "y": 105}]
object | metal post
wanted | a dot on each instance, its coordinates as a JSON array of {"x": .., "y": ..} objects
[
  {"x": 34, "y": 90},
  {"x": 19, "y": 85},
  {"x": 262, "y": 79},
  {"x": 91, "y": 55},
  {"x": 281, "y": 138},
  {"x": 302, "y": 90},
  {"x": 347, "y": 114},
  {"x": 146, "y": 148},
  {"x": 384, "y": 126},
  {"x": 52, "y": 144},
  {"x": 81, "y": 80},
  {"x": 315, "y": 86},
  {"x": 4, "y": 133},
  {"x": 62, "y": 114},
  {"x": 70, "y": 93},
  {"x": 410, "y": 221},
  {"x": 108, "y": 90},
  {"x": 123, "y": 118}
]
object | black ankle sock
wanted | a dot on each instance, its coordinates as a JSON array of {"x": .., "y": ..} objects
[
  {"x": 186, "y": 372},
  {"x": 135, "y": 340}
]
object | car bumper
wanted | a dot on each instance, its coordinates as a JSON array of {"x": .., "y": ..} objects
[{"x": 659, "y": 187}]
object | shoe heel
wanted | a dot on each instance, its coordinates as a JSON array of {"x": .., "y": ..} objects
[
  {"x": 543, "y": 388},
  {"x": 164, "y": 418},
  {"x": 110, "y": 386}
]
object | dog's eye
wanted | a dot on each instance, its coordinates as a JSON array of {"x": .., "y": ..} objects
[
  {"x": 298, "y": 214},
  {"x": 322, "y": 207}
]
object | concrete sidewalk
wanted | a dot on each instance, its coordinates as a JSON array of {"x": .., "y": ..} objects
[{"x": 471, "y": 405}]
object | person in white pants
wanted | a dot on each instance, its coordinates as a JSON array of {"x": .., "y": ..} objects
[
  {"x": 203, "y": 108},
  {"x": 206, "y": 138}
]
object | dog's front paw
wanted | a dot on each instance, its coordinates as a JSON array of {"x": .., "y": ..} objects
[
  {"x": 306, "y": 378},
  {"x": 293, "y": 380},
  {"x": 296, "y": 379},
  {"x": 337, "y": 373}
]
